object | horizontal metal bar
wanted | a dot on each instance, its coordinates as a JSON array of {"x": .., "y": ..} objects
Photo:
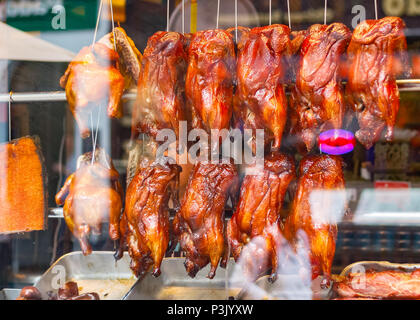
[{"x": 54, "y": 96}]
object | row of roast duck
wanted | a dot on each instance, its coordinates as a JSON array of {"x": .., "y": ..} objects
[{"x": 223, "y": 79}]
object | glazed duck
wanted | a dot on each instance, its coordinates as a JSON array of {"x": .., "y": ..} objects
[
  {"x": 145, "y": 221},
  {"x": 209, "y": 81},
  {"x": 375, "y": 48},
  {"x": 160, "y": 91},
  {"x": 260, "y": 99},
  {"x": 317, "y": 101},
  {"x": 98, "y": 76},
  {"x": 199, "y": 223},
  {"x": 258, "y": 214},
  {"x": 315, "y": 209},
  {"x": 92, "y": 196}
]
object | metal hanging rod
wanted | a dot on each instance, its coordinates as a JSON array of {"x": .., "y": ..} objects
[
  {"x": 52, "y": 96},
  {"x": 55, "y": 96}
]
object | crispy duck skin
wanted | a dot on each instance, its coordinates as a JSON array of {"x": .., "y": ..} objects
[
  {"x": 160, "y": 97},
  {"x": 91, "y": 79},
  {"x": 316, "y": 173},
  {"x": 145, "y": 222},
  {"x": 91, "y": 196},
  {"x": 258, "y": 212},
  {"x": 209, "y": 81},
  {"x": 317, "y": 100},
  {"x": 389, "y": 284},
  {"x": 199, "y": 223},
  {"x": 260, "y": 99},
  {"x": 375, "y": 48}
]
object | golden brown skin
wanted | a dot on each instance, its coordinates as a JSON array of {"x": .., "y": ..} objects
[
  {"x": 260, "y": 99},
  {"x": 372, "y": 92},
  {"x": 317, "y": 100},
  {"x": 199, "y": 224},
  {"x": 258, "y": 213},
  {"x": 145, "y": 222},
  {"x": 319, "y": 172},
  {"x": 91, "y": 196},
  {"x": 92, "y": 79},
  {"x": 209, "y": 81},
  {"x": 160, "y": 91}
]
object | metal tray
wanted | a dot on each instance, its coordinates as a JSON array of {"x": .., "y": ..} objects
[
  {"x": 175, "y": 284},
  {"x": 9, "y": 294},
  {"x": 97, "y": 272},
  {"x": 378, "y": 266},
  {"x": 286, "y": 287}
]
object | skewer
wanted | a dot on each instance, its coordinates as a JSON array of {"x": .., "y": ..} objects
[
  {"x": 325, "y": 11},
  {"x": 218, "y": 13},
  {"x": 288, "y": 14},
  {"x": 167, "y": 15},
  {"x": 269, "y": 12},
  {"x": 376, "y": 9}
]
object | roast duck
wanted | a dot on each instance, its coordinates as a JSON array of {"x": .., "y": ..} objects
[
  {"x": 258, "y": 215},
  {"x": 320, "y": 177},
  {"x": 92, "y": 196},
  {"x": 317, "y": 101},
  {"x": 372, "y": 92},
  {"x": 260, "y": 99},
  {"x": 199, "y": 223},
  {"x": 98, "y": 76},
  {"x": 209, "y": 81},
  {"x": 145, "y": 226},
  {"x": 160, "y": 100}
]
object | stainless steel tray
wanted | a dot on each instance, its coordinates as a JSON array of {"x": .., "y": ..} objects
[
  {"x": 286, "y": 287},
  {"x": 360, "y": 266},
  {"x": 175, "y": 284},
  {"x": 9, "y": 294},
  {"x": 97, "y": 272}
]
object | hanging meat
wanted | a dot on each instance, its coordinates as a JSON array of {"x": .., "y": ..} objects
[
  {"x": 317, "y": 204},
  {"x": 317, "y": 101},
  {"x": 199, "y": 223},
  {"x": 145, "y": 221},
  {"x": 95, "y": 77},
  {"x": 258, "y": 213},
  {"x": 160, "y": 91},
  {"x": 260, "y": 100},
  {"x": 23, "y": 177},
  {"x": 375, "y": 48},
  {"x": 92, "y": 196},
  {"x": 209, "y": 81}
]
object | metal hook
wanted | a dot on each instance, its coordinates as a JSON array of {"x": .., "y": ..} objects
[
  {"x": 218, "y": 13},
  {"x": 325, "y": 11},
  {"x": 376, "y": 9},
  {"x": 10, "y": 115}
]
